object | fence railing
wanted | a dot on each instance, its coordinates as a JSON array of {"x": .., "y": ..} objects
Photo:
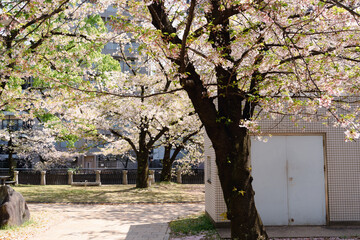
[
  {"x": 114, "y": 176},
  {"x": 29, "y": 177},
  {"x": 107, "y": 176}
]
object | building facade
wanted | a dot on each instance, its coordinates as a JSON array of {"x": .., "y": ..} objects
[{"x": 304, "y": 175}]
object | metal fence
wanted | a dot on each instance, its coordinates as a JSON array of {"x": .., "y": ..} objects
[
  {"x": 157, "y": 174},
  {"x": 131, "y": 176},
  {"x": 29, "y": 177},
  {"x": 108, "y": 176},
  {"x": 4, "y": 171},
  {"x": 55, "y": 178},
  {"x": 113, "y": 176},
  {"x": 195, "y": 177}
]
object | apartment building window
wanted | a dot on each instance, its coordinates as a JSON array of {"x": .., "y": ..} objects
[
  {"x": 12, "y": 124},
  {"x": 16, "y": 124}
]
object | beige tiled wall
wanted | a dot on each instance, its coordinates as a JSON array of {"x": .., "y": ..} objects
[
  {"x": 209, "y": 185},
  {"x": 342, "y": 160}
]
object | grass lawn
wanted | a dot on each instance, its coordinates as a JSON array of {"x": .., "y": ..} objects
[
  {"x": 194, "y": 227},
  {"x": 157, "y": 193}
]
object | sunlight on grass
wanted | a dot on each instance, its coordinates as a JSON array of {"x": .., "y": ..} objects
[
  {"x": 198, "y": 224},
  {"x": 31, "y": 222},
  {"x": 157, "y": 193}
]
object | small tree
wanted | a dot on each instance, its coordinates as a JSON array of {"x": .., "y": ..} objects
[
  {"x": 134, "y": 123},
  {"x": 131, "y": 110}
]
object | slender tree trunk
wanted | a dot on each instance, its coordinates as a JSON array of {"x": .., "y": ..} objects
[
  {"x": 11, "y": 161},
  {"x": 142, "y": 169},
  {"x": 142, "y": 157},
  {"x": 234, "y": 166},
  {"x": 166, "y": 165}
]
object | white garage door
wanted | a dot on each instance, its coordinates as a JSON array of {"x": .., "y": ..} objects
[{"x": 289, "y": 180}]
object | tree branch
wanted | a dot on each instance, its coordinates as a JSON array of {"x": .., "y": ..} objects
[
  {"x": 186, "y": 33},
  {"x": 116, "y": 133},
  {"x": 157, "y": 137}
]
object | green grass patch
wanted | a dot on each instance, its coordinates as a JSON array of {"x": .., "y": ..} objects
[
  {"x": 192, "y": 225},
  {"x": 30, "y": 222},
  {"x": 157, "y": 193}
]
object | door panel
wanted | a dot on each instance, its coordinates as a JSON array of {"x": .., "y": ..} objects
[
  {"x": 289, "y": 180},
  {"x": 89, "y": 162},
  {"x": 306, "y": 180},
  {"x": 269, "y": 172}
]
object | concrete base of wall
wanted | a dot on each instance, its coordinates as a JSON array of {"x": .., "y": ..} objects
[
  {"x": 331, "y": 225},
  {"x": 345, "y": 223},
  {"x": 218, "y": 224}
]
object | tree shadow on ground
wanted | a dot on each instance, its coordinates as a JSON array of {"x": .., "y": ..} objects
[
  {"x": 86, "y": 221},
  {"x": 117, "y": 191}
]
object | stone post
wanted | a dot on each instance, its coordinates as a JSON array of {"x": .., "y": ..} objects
[
  {"x": 124, "y": 177},
  {"x": 70, "y": 177},
  {"x": 43, "y": 178},
  {"x": 152, "y": 176},
  {"x": 149, "y": 181},
  {"x": 16, "y": 177},
  {"x": 98, "y": 180},
  {"x": 178, "y": 176}
]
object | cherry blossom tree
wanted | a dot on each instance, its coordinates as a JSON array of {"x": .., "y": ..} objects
[
  {"x": 129, "y": 110},
  {"x": 31, "y": 141},
  {"x": 131, "y": 113},
  {"x": 242, "y": 60},
  {"x": 44, "y": 43},
  {"x": 53, "y": 47}
]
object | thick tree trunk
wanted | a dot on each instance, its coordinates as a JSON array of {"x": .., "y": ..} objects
[
  {"x": 166, "y": 165},
  {"x": 142, "y": 169},
  {"x": 231, "y": 142},
  {"x": 232, "y": 157}
]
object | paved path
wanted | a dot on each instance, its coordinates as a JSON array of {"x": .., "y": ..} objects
[{"x": 110, "y": 222}]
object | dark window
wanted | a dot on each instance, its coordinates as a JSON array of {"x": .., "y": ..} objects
[
  {"x": 12, "y": 124},
  {"x": 15, "y": 124}
]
